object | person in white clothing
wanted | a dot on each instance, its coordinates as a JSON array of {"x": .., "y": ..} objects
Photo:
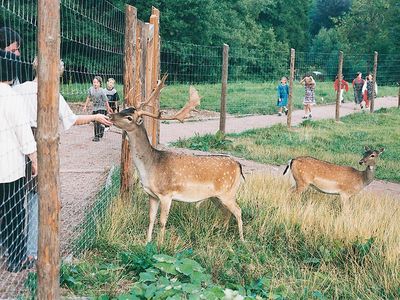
[
  {"x": 28, "y": 90},
  {"x": 16, "y": 140}
]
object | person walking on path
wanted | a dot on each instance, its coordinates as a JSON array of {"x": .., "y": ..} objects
[
  {"x": 344, "y": 86},
  {"x": 100, "y": 105},
  {"x": 368, "y": 89},
  {"x": 358, "y": 84},
  {"x": 283, "y": 95},
  {"x": 309, "y": 96}
]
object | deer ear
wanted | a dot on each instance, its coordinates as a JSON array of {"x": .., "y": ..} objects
[
  {"x": 139, "y": 121},
  {"x": 381, "y": 150},
  {"x": 366, "y": 148}
]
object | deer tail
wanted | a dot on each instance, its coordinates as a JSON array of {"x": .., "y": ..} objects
[{"x": 289, "y": 165}]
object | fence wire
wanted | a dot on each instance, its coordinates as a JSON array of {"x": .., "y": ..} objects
[
  {"x": 92, "y": 37},
  {"x": 92, "y": 34}
]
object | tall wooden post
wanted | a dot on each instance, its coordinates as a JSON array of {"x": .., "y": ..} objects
[
  {"x": 372, "y": 104},
  {"x": 398, "y": 97},
  {"x": 339, "y": 74},
  {"x": 224, "y": 88},
  {"x": 155, "y": 72},
  {"x": 291, "y": 78},
  {"x": 129, "y": 95},
  {"x": 48, "y": 267}
]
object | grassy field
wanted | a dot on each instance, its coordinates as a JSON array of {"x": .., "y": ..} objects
[
  {"x": 294, "y": 249},
  {"x": 341, "y": 143},
  {"x": 243, "y": 97}
]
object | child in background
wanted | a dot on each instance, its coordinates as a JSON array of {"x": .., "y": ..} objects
[
  {"x": 112, "y": 95},
  {"x": 344, "y": 86},
  {"x": 283, "y": 94},
  {"x": 100, "y": 106},
  {"x": 309, "y": 97},
  {"x": 367, "y": 90},
  {"x": 358, "y": 84}
]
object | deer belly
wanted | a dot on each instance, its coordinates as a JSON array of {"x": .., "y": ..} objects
[
  {"x": 194, "y": 193},
  {"x": 328, "y": 186}
]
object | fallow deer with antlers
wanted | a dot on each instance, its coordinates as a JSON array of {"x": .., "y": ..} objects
[
  {"x": 167, "y": 176},
  {"x": 333, "y": 179}
]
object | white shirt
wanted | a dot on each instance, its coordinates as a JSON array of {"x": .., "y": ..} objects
[
  {"x": 16, "y": 138},
  {"x": 28, "y": 90}
]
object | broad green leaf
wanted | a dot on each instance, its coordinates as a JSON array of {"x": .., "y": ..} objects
[
  {"x": 147, "y": 277},
  {"x": 164, "y": 258},
  {"x": 166, "y": 267}
]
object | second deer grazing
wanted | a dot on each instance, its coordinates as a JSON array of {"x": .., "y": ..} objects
[
  {"x": 333, "y": 179},
  {"x": 167, "y": 176}
]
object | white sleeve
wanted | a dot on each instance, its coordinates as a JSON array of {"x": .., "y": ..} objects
[
  {"x": 17, "y": 116},
  {"x": 67, "y": 117},
  {"x": 364, "y": 88}
]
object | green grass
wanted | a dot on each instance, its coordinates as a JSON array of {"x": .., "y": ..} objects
[
  {"x": 243, "y": 97},
  {"x": 341, "y": 143},
  {"x": 294, "y": 249}
]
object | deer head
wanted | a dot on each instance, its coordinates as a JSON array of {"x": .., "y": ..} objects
[
  {"x": 370, "y": 156},
  {"x": 130, "y": 117}
]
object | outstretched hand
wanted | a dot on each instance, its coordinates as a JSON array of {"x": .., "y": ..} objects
[{"x": 103, "y": 119}]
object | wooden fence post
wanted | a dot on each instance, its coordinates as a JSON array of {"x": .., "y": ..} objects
[
  {"x": 48, "y": 268},
  {"x": 339, "y": 91},
  {"x": 129, "y": 95},
  {"x": 224, "y": 80},
  {"x": 398, "y": 97},
  {"x": 291, "y": 78},
  {"x": 155, "y": 72},
  {"x": 372, "y": 104}
]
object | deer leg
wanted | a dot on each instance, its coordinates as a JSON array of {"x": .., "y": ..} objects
[
  {"x": 153, "y": 208},
  {"x": 165, "y": 207},
  {"x": 226, "y": 212},
  {"x": 232, "y": 206}
]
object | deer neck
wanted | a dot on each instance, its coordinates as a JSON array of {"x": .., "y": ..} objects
[
  {"x": 143, "y": 154},
  {"x": 368, "y": 175}
]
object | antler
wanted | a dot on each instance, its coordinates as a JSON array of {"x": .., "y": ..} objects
[
  {"x": 184, "y": 113},
  {"x": 155, "y": 93}
]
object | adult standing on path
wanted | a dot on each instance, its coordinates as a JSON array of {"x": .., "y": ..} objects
[
  {"x": 28, "y": 90},
  {"x": 358, "y": 84},
  {"x": 16, "y": 140}
]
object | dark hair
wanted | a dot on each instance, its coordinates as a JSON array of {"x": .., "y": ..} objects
[
  {"x": 99, "y": 79},
  {"x": 10, "y": 66},
  {"x": 8, "y": 36}
]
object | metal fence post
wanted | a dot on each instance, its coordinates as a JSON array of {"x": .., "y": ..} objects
[
  {"x": 374, "y": 82},
  {"x": 339, "y": 91}
]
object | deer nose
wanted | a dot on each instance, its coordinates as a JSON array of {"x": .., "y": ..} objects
[{"x": 361, "y": 161}]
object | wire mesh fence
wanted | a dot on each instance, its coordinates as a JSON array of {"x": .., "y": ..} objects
[{"x": 92, "y": 44}]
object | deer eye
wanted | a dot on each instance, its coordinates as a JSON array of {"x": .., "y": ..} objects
[{"x": 130, "y": 118}]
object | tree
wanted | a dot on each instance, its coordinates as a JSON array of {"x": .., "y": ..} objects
[{"x": 325, "y": 11}]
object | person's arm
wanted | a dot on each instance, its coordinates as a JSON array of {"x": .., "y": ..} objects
[
  {"x": 86, "y": 119},
  {"x": 109, "y": 110},
  {"x": 302, "y": 81},
  {"x": 346, "y": 85},
  {"x": 33, "y": 158}
]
